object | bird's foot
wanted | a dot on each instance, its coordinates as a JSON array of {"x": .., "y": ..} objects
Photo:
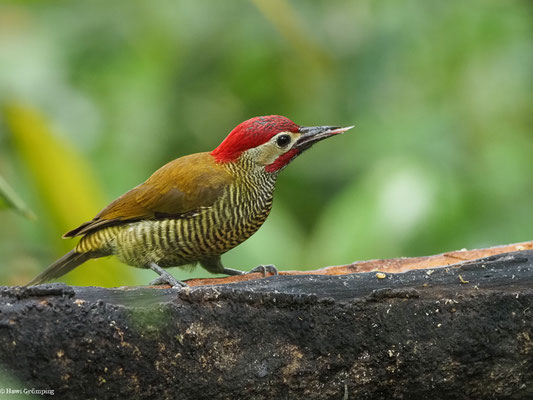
[
  {"x": 165, "y": 281},
  {"x": 264, "y": 269},
  {"x": 260, "y": 268},
  {"x": 165, "y": 278}
]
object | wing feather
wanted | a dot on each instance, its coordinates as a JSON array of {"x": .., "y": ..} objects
[{"x": 179, "y": 187}]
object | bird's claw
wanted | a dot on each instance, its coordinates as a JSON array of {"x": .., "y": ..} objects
[
  {"x": 264, "y": 269},
  {"x": 165, "y": 280}
]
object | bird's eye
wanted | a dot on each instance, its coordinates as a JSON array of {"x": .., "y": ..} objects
[{"x": 283, "y": 140}]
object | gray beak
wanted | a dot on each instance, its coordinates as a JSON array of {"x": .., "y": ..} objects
[{"x": 313, "y": 134}]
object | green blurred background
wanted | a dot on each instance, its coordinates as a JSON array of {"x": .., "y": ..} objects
[{"x": 95, "y": 96}]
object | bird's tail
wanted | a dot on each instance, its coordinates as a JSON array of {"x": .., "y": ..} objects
[{"x": 59, "y": 268}]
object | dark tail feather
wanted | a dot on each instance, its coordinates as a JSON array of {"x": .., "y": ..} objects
[{"x": 59, "y": 268}]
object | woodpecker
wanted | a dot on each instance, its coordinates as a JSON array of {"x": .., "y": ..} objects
[{"x": 197, "y": 207}]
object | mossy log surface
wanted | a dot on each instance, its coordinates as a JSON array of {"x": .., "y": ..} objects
[{"x": 462, "y": 331}]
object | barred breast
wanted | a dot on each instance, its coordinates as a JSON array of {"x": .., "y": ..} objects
[{"x": 209, "y": 231}]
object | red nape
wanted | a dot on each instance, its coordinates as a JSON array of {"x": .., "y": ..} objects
[{"x": 250, "y": 134}]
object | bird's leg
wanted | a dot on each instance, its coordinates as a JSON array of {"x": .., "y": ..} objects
[
  {"x": 214, "y": 265},
  {"x": 164, "y": 277}
]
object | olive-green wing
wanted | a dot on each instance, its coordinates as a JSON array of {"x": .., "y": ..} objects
[{"x": 179, "y": 187}]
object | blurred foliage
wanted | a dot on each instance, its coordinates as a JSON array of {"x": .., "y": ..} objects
[
  {"x": 10, "y": 200},
  {"x": 65, "y": 185},
  {"x": 98, "y": 95}
]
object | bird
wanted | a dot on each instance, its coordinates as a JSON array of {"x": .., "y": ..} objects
[{"x": 196, "y": 207}]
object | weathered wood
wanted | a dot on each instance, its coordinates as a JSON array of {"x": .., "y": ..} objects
[{"x": 457, "y": 332}]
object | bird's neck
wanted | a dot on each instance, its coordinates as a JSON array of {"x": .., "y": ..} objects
[{"x": 252, "y": 177}]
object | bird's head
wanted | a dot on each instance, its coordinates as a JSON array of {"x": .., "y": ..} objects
[{"x": 272, "y": 141}]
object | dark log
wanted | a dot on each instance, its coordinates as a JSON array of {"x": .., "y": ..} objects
[{"x": 457, "y": 332}]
